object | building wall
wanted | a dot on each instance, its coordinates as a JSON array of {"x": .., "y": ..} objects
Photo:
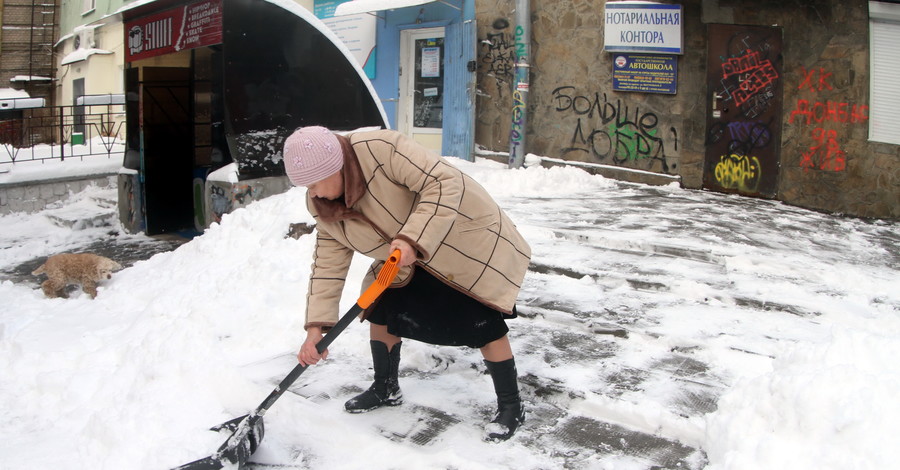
[
  {"x": 26, "y": 45},
  {"x": 571, "y": 105},
  {"x": 102, "y": 73}
]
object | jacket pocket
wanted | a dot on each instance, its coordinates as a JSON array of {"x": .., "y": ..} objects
[{"x": 478, "y": 223}]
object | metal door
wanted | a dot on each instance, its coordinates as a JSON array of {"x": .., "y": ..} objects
[{"x": 744, "y": 103}]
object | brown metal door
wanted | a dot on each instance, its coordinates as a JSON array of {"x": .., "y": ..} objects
[{"x": 744, "y": 102}]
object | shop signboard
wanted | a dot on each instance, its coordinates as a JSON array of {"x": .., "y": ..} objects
[{"x": 184, "y": 27}]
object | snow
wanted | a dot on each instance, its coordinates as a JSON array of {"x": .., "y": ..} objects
[
  {"x": 793, "y": 314},
  {"x": 82, "y": 54},
  {"x": 12, "y": 93},
  {"x": 99, "y": 155}
]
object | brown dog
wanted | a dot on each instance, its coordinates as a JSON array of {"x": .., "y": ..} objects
[{"x": 85, "y": 269}]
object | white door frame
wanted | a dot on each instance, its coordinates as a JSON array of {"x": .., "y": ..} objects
[{"x": 430, "y": 137}]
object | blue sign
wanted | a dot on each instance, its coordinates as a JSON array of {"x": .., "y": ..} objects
[{"x": 646, "y": 73}]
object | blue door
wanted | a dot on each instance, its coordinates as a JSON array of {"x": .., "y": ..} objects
[{"x": 458, "y": 138}]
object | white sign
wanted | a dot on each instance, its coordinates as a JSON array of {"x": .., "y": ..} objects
[
  {"x": 643, "y": 27},
  {"x": 431, "y": 62},
  {"x": 356, "y": 31}
]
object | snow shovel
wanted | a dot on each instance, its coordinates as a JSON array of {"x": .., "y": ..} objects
[{"x": 247, "y": 431}]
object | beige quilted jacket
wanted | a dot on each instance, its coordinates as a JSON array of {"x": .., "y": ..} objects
[{"x": 394, "y": 188}]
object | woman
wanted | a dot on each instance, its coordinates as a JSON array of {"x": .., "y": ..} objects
[{"x": 462, "y": 260}]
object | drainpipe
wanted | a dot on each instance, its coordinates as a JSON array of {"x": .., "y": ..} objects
[{"x": 520, "y": 92}]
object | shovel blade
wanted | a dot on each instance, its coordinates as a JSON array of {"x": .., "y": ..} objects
[
  {"x": 230, "y": 425},
  {"x": 246, "y": 434}
]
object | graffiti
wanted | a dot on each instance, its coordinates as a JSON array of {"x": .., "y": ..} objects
[
  {"x": 825, "y": 153},
  {"x": 754, "y": 75},
  {"x": 521, "y": 44},
  {"x": 498, "y": 56},
  {"x": 749, "y": 78},
  {"x": 809, "y": 80},
  {"x": 748, "y": 62},
  {"x": 520, "y": 97},
  {"x": 221, "y": 202},
  {"x": 738, "y": 172},
  {"x": 620, "y": 135},
  {"x": 517, "y": 133},
  {"x": 829, "y": 111},
  {"x": 745, "y": 136}
]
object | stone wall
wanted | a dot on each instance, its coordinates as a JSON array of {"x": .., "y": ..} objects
[
  {"x": 34, "y": 196},
  {"x": 222, "y": 197},
  {"x": 826, "y": 160}
]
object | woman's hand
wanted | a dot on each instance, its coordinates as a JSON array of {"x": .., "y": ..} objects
[
  {"x": 308, "y": 354},
  {"x": 407, "y": 252}
]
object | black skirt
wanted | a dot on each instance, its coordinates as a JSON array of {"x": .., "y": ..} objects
[{"x": 428, "y": 310}]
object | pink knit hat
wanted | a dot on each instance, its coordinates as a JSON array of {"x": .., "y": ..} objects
[{"x": 312, "y": 154}]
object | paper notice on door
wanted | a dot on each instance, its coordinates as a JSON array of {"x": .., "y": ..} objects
[{"x": 431, "y": 62}]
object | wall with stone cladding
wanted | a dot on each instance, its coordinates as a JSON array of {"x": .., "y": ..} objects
[
  {"x": 573, "y": 112},
  {"x": 34, "y": 196},
  {"x": 826, "y": 163}
]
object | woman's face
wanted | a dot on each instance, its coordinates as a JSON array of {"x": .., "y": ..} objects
[{"x": 329, "y": 188}]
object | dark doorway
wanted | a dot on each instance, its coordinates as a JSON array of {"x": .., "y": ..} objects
[
  {"x": 743, "y": 124},
  {"x": 168, "y": 149},
  {"x": 77, "y": 111}
]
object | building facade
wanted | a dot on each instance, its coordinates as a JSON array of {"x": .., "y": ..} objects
[
  {"x": 782, "y": 101},
  {"x": 773, "y": 99}
]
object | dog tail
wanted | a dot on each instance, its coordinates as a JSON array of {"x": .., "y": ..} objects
[{"x": 40, "y": 270}]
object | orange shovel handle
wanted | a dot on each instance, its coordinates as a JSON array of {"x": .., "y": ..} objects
[{"x": 382, "y": 282}]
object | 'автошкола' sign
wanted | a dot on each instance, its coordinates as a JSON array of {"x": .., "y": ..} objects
[{"x": 643, "y": 27}]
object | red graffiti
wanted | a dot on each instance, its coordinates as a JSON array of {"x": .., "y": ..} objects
[
  {"x": 829, "y": 111},
  {"x": 825, "y": 153},
  {"x": 758, "y": 75},
  {"x": 742, "y": 64},
  {"x": 809, "y": 80}
]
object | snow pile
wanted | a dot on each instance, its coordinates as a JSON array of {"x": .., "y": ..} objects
[{"x": 825, "y": 405}]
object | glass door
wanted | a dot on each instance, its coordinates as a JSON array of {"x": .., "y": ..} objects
[{"x": 421, "y": 110}]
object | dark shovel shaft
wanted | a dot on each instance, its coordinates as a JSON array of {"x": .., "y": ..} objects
[{"x": 247, "y": 430}]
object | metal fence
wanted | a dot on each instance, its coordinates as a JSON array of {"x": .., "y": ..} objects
[{"x": 61, "y": 132}]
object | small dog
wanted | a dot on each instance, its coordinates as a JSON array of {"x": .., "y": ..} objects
[{"x": 84, "y": 269}]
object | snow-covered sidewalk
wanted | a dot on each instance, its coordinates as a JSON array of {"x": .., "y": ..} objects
[{"x": 659, "y": 328}]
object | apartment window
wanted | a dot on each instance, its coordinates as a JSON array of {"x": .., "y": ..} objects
[
  {"x": 88, "y": 6},
  {"x": 884, "y": 89}
]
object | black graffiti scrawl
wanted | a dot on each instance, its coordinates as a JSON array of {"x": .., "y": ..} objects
[{"x": 615, "y": 132}]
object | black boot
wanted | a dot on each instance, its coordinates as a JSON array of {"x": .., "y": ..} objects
[
  {"x": 510, "y": 410},
  {"x": 385, "y": 391}
]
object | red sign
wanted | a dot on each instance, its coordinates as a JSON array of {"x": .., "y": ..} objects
[{"x": 185, "y": 27}]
